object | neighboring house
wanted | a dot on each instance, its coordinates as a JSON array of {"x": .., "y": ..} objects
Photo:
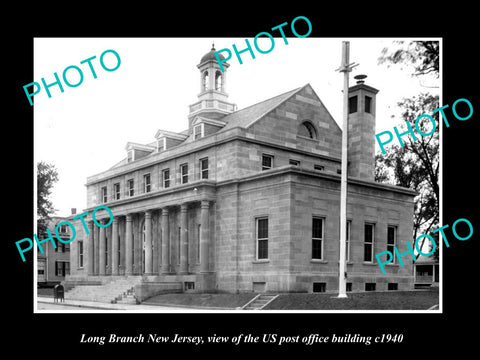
[
  {"x": 54, "y": 264},
  {"x": 426, "y": 272}
]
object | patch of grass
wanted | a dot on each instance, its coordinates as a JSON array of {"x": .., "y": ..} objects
[
  {"x": 394, "y": 300},
  {"x": 224, "y": 301}
]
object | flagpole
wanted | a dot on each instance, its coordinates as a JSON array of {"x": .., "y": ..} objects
[{"x": 342, "y": 273}]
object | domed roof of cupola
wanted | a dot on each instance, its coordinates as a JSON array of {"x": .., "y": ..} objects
[{"x": 211, "y": 55}]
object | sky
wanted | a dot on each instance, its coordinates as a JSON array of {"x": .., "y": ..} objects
[{"x": 84, "y": 130}]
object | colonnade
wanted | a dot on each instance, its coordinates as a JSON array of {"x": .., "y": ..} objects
[{"x": 114, "y": 255}]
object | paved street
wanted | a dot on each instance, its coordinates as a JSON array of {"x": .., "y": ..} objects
[
  {"x": 47, "y": 303},
  {"x": 48, "y": 306}
]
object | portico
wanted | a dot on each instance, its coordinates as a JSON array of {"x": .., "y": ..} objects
[{"x": 149, "y": 239}]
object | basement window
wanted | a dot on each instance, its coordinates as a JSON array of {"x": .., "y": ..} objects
[
  {"x": 370, "y": 286},
  {"x": 319, "y": 287},
  {"x": 189, "y": 285},
  {"x": 392, "y": 286}
]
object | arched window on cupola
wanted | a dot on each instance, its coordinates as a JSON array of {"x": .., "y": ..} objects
[
  {"x": 306, "y": 129},
  {"x": 205, "y": 81},
  {"x": 218, "y": 81}
]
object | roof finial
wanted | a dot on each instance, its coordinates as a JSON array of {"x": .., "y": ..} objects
[{"x": 213, "y": 45}]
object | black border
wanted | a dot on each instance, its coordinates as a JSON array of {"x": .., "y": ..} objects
[{"x": 423, "y": 333}]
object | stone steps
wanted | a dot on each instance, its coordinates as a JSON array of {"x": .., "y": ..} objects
[
  {"x": 259, "y": 302},
  {"x": 108, "y": 292},
  {"x": 127, "y": 297}
]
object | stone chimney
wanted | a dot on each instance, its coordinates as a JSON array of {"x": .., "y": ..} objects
[
  {"x": 74, "y": 211},
  {"x": 361, "y": 130}
]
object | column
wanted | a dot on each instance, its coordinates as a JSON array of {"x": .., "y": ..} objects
[
  {"x": 96, "y": 231},
  {"x": 102, "y": 248},
  {"x": 155, "y": 251},
  {"x": 121, "y": 260},
  {"x": 204, "y": 235},
  {"x": 148, "y": 243},
  {"x": 91, "y": 247},
  {"x": 108, "y": 234},
  {"x": 165, "y": 242},
  {"x": 183, "y": 239},
  {"x": 114, "y": 248},
  {"x": 128, "y": 246}
]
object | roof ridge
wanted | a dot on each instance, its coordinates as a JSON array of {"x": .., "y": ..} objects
[
  {"x": 249, "y": 115},
  {"x": 273, "y": 97}
]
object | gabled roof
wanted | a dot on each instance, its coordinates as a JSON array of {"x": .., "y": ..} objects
[
  {"x": 170, "y": 134},
  {"x": 247, "y": 116},
  {"x": 137, "y": 146}
]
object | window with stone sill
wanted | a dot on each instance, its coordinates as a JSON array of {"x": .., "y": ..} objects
[
  {"x": 130, "y": 186},
  {"x": 184, "y": 173},
  {"x": 267, "y": 162},
  {"x": 166, "y": 178},
  {"x": 262, "y": 238}
]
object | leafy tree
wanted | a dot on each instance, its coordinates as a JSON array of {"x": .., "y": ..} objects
[
  {"x": 416, "y": 164},
  {"x": 47, "y": 176},
  {"x": 422, "y": 55}
]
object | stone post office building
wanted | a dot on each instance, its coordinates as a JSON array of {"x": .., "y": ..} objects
[{"x": 247, "y": 200}]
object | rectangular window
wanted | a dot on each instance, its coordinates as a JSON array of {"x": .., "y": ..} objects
[
  {"x": 166, "y": 178},
  {"x": 319, "y": 167},
  {"x": 189, "y": 285},
  {"x": 392, "y": 286},
  {"x": 317, "y": 238},
  {"x": 130, "y": 185},
  {"x": 80, "y": 253},
  {"x": 391, "y": 240},
  {"x": 184, "y": 173},
  {"x": 368, "y": 104},
  {"x": 61, "y": 246},
  {"x": 62, "y": 268},
  {"x": 348, "y": 287},
  {"x": 352, "y": 104},
  {"x": 294, "y": 162},
  {"x": 319, "y": 287},
  {"x": 104, "y": 194},
  {"x": 146, "y": 183},
  {"x": 347, "y": 248},
  {"x": 130, "y": 156},
  {"x": 262, "y": 238},
  {"x": 59, "y": 268},
  {"x": 198, "y": 131},
  {"x": 116, "y": 191},
  {"x": 368, "y": 242},
  {"x": 267, "y": 162},
  {"x": 370, "y": 286},
  {"x": 204, "y": 168}
]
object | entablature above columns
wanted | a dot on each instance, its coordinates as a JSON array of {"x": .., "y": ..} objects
[{"x": 191, "y": 193}]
